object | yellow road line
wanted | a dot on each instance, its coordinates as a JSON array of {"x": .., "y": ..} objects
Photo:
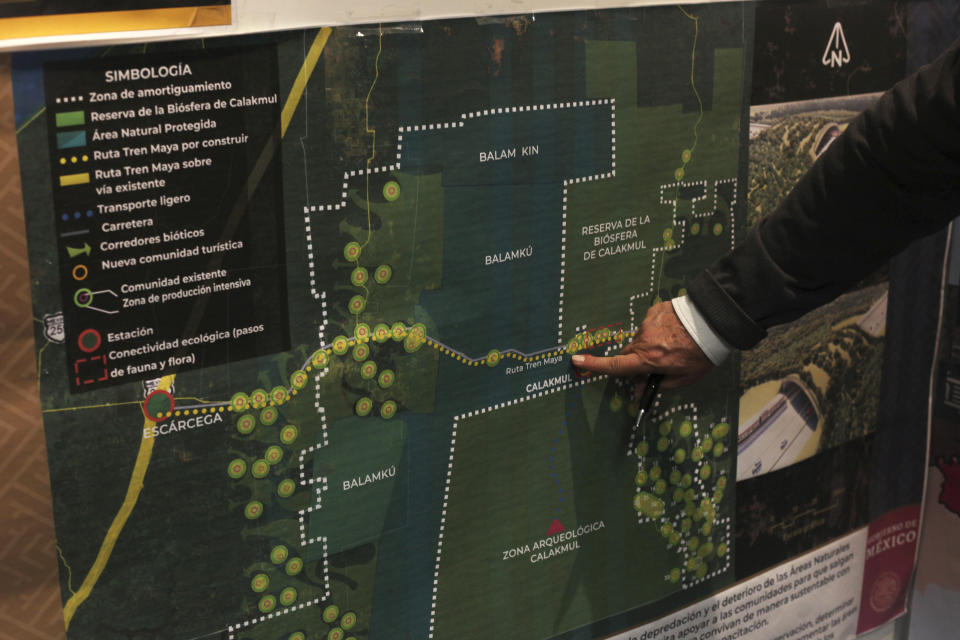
[
  {"x": 113, "y": 533},
  {"x": 300, "y": 83}
]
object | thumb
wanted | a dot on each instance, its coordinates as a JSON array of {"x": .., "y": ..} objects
[{"x": 625, "y": 365}]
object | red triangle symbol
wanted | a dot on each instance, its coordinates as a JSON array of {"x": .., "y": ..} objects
[{"x": 556, "y": 527}]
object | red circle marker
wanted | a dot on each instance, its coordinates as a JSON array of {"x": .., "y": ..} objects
[
  {"x": 151, "y": 396},
  {"x": 84, "y": 336}
]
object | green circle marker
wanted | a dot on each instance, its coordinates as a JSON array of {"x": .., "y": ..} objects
[
  {"x": 706, "y": 528},
  {"x": 279, "y": 554},
  {"x": 391, "y": 191},
  {"x": 678, "y": 495},
  {"x": 666, "y": 529},
  {"x": 382, "y": 274},
  {"x": 388, "y": 409},
  {"x": 362, "y": 332},
  {"x": 386, "y": 378},
  {"x": 381, "y": 333},
  {"x": 246, "y": 423},
  {"x": 686, "y": 480},
  {"x": 298, "y": 379},
  {"x": 720, "y": 430},
  {"x": 399, "y": 331},
  {"x": 675, "y": 575},
  {"x": 717, "y": 229},
  {"x": 357, "y": 304},
  {"x": 273, "y": 455},
  {"x": 368, "y": 370},
  {"x": 348, "y": 621},
  {"x": 697, "y": 454},
  {"x": 718, "y": 450},
  {"x": 642, "y": 477},
  {"x": 260, "y": 468},
  {"x": 679, "y": 456},
  {"x": 330, "y": 613},
  {"x": 655, "y": 472},
  {"x": 279, "y": 395},
  {"x": 340, "y": 345},
  {"x": 660, "y": 487},
  {"x": 648, "y": 504},
  {"x": 363, "y": 406},
  {"x": 721, "y": 549},
  {"x": 643, "y": 448},
  {"x": 336, "y": 634},
  {"x": 288, "y": 596},
  {"x": 674, "y": 538},
  {"x": 705, "y": 471},
  {"x": 493, "y": 358},
  {"x": 253, "y": 510},
  {"x": 675, "y": 476},
  {"x": 685, "y": 156},
  {"x": 237, "y": 468},
  {"x": 83, "y": 298},
  {"x": 359, "y": 277},
  {"x": 361, "y": 352},
  {"x": 259, "y": 397},
  {"x": 352, "y": 251},
  {"x": 695, "y": 229},
  {"x": 573, "y": 346},
  {"x": 701, "y": 570},
  {"x": 664, "y": 428},
  {"x": 294, "y": 566},
  {"x": 667, "y": 235},
  {"x": 693, "y": 543},
  {"x": 718, "y": 496},
  {"x": 269, "y": 415},
  {"x": 722, "y": 482},
  {"x": 678, "y": 174},
  {"x": 260, "y": 582},
  {"x": 297, "y": 635},
  {"x": 267, "y": 603},
  {"x": 286, "y": 488},
  {"x": 706, "y": 444},
  {"x": 240, "y": 401},
  {"x": 685, "y": 429},
  {"x": 663, "y": 444}
]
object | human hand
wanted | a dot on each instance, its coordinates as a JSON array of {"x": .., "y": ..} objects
[{"x": 660, "y": 345}]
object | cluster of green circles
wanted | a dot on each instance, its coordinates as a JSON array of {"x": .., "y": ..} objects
[
  {"x": 382, "y": 274},
  {"x": 253, "y": 510},
  {"x": 674, "y": 490},
  {"x": 286, "y": 488},
  {"x": 289, "y": 433},
  {"x": 388, "y": 409},
  {"x": 368, "y": 370},
  {"x": 359, "y": 276},
  {"x": 352, "y": 251},
  {"x": 363, "y": 406},
  {"x": 416, "y": 338}
]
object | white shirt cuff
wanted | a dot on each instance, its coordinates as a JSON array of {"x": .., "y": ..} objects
[{"x": 715, "y": 348}]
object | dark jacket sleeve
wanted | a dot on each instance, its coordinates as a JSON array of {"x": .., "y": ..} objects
[{"x": 891, "y": 177}]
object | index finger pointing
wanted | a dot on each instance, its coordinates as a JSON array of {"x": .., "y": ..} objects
[{"x": 625, "y": 365}]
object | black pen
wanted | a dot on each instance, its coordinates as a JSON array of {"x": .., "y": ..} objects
[{"x": 647, "y": 397}]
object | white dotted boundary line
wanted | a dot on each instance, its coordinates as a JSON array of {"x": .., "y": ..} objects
[
  {"x": 324, "y": 441},
  {"x": 563, "y": 217},
  {"x": 733, "y": 203},
  {"x": 66, "y": 99},
  {"x": 453, "y": 445},
  {"x": 233, "y": 629}
]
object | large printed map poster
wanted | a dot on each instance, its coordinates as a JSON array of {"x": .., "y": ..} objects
[{"x": 305, "y": 308}]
